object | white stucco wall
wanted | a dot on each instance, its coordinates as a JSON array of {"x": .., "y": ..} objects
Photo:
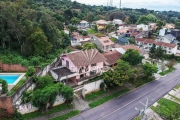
[{"x": 92, "y": 86}]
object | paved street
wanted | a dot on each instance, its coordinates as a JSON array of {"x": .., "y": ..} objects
[{"x": 123, "y": 108}]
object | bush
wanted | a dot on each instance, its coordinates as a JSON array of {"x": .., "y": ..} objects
[
  {"x": 102, "y": 86},
  {"x": 4, "y": 86},
  {"x": 35, "y": 61},
  {"x": 17, "y": 115},
  {"x": 31, "y": 70}
]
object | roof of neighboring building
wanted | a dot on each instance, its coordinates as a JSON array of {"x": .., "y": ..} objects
[
  {"x": 169, "y": 36},
  {"x": 75, "y": 33},
  {"x": 85, "y": 58},
  {"x": 151, "y": 41},
  {"x": 120, "y": 50},
  {"x": 62, "y": 71},
  {"x": 170, "y": 26},
  {"x": 123, "y": 38},
  {"x": 136, "y": 33},
  {"x": 105, "y": 41},
  {"x": 124, "y": 30},
  {"x": 112, "y": 57},
  {"x": 85, "y": 36},
  {"x": 126, "y": 47},
  {"x": 101, "y": 22},
  {"x": 83, "y": 21}
]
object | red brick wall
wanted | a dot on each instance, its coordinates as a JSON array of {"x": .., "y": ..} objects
[
  {"x": 12, "y": 67},
  {"x": 6, "y": 103}
]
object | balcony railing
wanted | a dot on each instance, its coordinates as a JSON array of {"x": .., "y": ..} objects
[{"x": 88, "y": 77}]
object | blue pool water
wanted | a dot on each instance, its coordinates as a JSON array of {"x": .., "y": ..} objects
[{"x": 10, "y": 79}]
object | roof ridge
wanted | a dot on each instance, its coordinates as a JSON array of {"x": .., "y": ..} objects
[{"x": 94, "y": 54}]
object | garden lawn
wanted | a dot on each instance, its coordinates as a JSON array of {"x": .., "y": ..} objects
[
  {"x": 166, "y": 108},
  {"x": 107, "y": 98},
  {"x": 55, "y": 109},
  {"x": 91, "y": 31},
  {"x": 167, "y": 71},
  {"x": 67, "y": 116},
  {"x": 94, "y": 95}
]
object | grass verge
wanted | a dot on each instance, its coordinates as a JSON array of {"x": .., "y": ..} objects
[
  {"x": 107, "y": 98},
  {"x": 94, "y": 95},
  {"x": 167, "y": 109},
  {"x": 167, "y": 71},
  {"x": 67, "y": 116},
  {"x": 55, "y": 109},
  {"x": 175, "y": 98},
  {"x": 177, "y": 87}
]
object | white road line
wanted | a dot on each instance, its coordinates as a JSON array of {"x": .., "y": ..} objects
[{"x": 136, "y": 98}]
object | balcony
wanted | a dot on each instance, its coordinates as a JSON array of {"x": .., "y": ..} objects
[{"x": 88, "y": 77}]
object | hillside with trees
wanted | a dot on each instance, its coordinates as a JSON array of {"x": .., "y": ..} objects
[{"x": 31, "y": 31}]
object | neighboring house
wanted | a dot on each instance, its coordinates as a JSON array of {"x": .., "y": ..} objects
[
  {"x": 84, "y": 24},
  {"x": 101, "y": 24},
  {"x": 78, "y": 39},
  {"x": 164, "y": 31},
  {"x": 127, "y": 47},
  {"x": 112, "y": 58},
  {"x": 122, "y": 31},
  {"x": 167, "y": 39},
  {"x": 104, "y": 43},
  {"x": 117, "y": 21},
  {"x": 79, "y": 66},
  {"x": 139, "y": 34},
  {"x": 66, "y": 31},
  {"x": 127, "y": 26},
  {"x": 143, "y": 27},
  {"x": 152, "y": 26},
  {"x": 146, "y": 44},
  {"x": 124, "y": 39},
  {"x": 176, "y": 33},
  {"x": 169, "y": 26}
]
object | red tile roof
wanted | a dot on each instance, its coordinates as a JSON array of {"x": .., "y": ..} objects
[
  {"x": 85, "y": 58},
  {"x": 112, "y": 57},
  {"x": 126, "y": 47},
  {"x": 136, "y": 33}
]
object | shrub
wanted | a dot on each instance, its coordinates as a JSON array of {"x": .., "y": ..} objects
[
  {"x": 102, "y": 86},
  {"x": 17, "y": 115},
  {"x": 31, "y": 70},
  {"x": 4, "y": 86}
]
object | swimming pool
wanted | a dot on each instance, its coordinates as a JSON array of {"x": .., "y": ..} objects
[{"x": 11, "y": 79}]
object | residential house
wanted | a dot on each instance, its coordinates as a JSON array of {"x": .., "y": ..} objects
[
  {"x": 111, "y": 58},
  {"x": 79, "y": 66},
  {"x": 104, "y": 43},
  {"x": 176, "y": 33},
  {"x": 122, "y": 31},
  {"x": 127, "y": 26},
  {"x": 101, "y": 24},
  {"x": 152, "y": 26},
  {"x": 77, "y": 39},
  {"x": 167, "y": 39},
  {"x": 169, "y": 26},
  {"x": 139, "y": 34},
  {"x": 124, "y": 39},
  {"x": 84, "y": 24},
  {"x": 164, "y": 31},
  {"x": 131, "y": 46},
  {"x": 117, "y": 21},
  {"x": 146, "y": 44},
  {"x": 143, "y": 27}
]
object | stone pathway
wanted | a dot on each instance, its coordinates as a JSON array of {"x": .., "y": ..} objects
[
  {"x": 47, "y": 117},
  {"x": 80, "y": 104}
]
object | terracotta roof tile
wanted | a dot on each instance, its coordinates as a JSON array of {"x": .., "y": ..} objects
[
  {"x": 126, "y": 47},
  {"x": 84, "y": 58},
  {"x": 112, "y": 57}
]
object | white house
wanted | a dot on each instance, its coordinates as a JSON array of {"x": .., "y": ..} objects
[
  {"x": 84, "y": 24},
  {"x": 167, "y": 38},
  {"x": 143, "y": 27},
  {"x": 117, "y": 21}
]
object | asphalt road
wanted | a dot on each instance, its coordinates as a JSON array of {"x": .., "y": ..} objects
[{"x": 123, "y": 108}]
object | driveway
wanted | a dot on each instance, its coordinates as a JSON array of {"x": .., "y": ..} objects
[{"x": 123, "y": 108}]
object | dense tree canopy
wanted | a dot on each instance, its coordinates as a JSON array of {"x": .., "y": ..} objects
[{"x": 132, "y": 57}]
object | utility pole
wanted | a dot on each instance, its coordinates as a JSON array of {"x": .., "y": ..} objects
[
  {"x": 120, "y": 5},
  {"x": 142, "y": 112}
]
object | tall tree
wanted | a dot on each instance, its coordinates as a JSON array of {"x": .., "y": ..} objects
[
  {"x": 132, "y": 57},
  {"x": 149, "y": 69}
]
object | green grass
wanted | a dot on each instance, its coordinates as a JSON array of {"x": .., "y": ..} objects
[
  {"x": 17, "y": 86},
  {"x": 167, "y": 71},
  {"x": 91, "y": 31},
  {"x": 141, "y": 81},
  {"x": 67, "y": 116},
  {"x": 177, "y": 87},
  {"x": 55, "y": 109},
  {"x": 94, "y": 95},
  {"x": 107, "y": 98},
  {"x": 166, "y": 108}
]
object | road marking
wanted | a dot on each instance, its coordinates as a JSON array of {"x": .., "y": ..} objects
[{"x": 136, "y": 98}]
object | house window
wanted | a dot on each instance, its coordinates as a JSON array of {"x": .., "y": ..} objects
[
  {"x": 92, "y": 72},
  {"x": 169, "y": 48},
  {"x": 93, "y": 64},
  {"x": 67, "y": 64}
]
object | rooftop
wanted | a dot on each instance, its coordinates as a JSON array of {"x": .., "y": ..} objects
[
  {"x": 112, "y": 57},
  {"x": 105, "y": 41},
  {"x": 62, "y": 72},
  {"x": 126, "y": 47}
]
